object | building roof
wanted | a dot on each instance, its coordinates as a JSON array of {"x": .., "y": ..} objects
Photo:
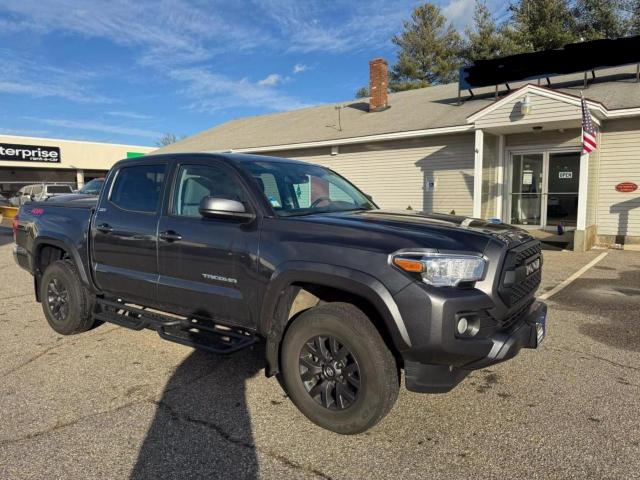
[{"x": 422, "y": 109}]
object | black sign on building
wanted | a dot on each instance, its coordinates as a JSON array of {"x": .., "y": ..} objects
[{"x": 29, "y": 153}]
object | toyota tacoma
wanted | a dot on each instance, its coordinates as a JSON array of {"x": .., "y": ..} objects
[{"x": 220, "y": 251}]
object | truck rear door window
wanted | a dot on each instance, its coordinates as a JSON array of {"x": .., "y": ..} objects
[{"x": 137, "y": 188}]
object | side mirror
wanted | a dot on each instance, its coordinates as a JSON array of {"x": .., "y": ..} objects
[
  {"x": 369, "y": 197},
  {"x": 212, "y": 207}
]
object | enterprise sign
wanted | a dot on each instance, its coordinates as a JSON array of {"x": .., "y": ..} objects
[{"x": 29, "y": 153}]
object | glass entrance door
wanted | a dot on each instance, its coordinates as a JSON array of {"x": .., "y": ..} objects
[
  {"x": 526, "y": 189},
  {"x": 544, "y": 189},
  {"x": 562, "y": 190}
]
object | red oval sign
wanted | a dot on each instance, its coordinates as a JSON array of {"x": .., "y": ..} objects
[{"x": 626, "y": 187}]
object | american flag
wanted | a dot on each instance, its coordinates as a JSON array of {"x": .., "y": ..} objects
[{"x": 589, "y": 143}]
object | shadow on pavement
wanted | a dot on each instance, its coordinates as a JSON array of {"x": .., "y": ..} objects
[
  {"x": 615, "y": 300},
  {"x": 202, "y": 427}
]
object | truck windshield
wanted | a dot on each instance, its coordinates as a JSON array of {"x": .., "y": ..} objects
[
  {"x": 300, "y": 189},
  {"x": 93, "y": 187}
]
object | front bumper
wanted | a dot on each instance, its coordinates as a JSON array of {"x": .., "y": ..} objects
[{"x": 528, "y": 332}]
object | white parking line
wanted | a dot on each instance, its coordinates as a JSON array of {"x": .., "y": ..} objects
[{"x": 573, "y": 277}]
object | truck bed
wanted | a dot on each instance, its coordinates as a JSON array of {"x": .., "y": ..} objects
[{"x": 39, "y": 221}]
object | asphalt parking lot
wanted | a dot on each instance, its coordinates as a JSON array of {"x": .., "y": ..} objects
[{"x": 113, "y": 403}]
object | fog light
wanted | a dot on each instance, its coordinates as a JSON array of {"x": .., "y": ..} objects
[
  {"x": 468, "y": 327},
  {"x": 463, "y": 324}
]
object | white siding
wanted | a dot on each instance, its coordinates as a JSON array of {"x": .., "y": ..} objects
[
  {"x": 542, "y": 110},
  {"x": 394, "y": 173},
  {"x": 552, "y": 138},
  {"x": 619, "y": 213}
]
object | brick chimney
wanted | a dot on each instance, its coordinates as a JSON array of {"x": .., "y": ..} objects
[{"x": 378, "y": 83}]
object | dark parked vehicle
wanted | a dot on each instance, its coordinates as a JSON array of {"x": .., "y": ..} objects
[
  {"x": 89, "y": 190},
  {"x": 218, "y": 251}
]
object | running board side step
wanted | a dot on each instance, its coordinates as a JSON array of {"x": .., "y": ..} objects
[{"x": 194, "y": 333}]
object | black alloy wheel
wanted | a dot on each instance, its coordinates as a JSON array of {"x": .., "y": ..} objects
[
  {"x": 66, "y": 302},
  {"x": 58, "y": 299},
  {"x": 337, "y": 369},
  {"x": 329, "y": 372}
]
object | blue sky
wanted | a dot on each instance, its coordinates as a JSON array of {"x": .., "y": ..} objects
[{"x": 126, "y": 71}]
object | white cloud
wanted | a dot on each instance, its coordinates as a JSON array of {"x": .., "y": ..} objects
[
  {"x": 96, "y": 127},
  {"x": 131, "y": 115},
  {"x": 24, "y": 132},
  {"x": 211, "y": 92},
  {"x": 188, "y": 38},
  {"x": 459, "y": 13},
  {"x": 174, "y": 37},
  {"x": 336, "y": 27},
  {"x": 21, "y": 76},
  {"x": 172, "y": 30},
  {"x": 300, "y": 68},
  {"x": 271, "y": 80}
]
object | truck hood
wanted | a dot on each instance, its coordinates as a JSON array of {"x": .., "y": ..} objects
[
  {"x": 72, "y": 197},
  {"x": 419, "y": 229}
]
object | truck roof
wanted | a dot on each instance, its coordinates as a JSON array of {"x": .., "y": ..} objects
[{"x": 227, "y": 156}]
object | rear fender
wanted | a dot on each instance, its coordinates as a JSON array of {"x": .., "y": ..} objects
[{"x": 72, "y": 251}]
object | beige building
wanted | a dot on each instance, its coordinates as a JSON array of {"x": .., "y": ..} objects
[
  {"x": 513, "y": 155},
  {"x": 27, "y": 160}
]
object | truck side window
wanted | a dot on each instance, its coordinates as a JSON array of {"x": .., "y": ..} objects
[
  {"x": 198, "y": 181},
  {"x": 138, "y": 188}
]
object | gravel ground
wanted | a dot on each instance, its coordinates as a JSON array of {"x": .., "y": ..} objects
[{"x": 113, "y": 403}]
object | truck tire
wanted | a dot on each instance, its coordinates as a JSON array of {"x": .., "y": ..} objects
[
  {"x": 66, "y": 302},
  {"x": 337, "y": 369}
]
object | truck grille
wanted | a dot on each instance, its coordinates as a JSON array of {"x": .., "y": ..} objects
[
  {"x": 515, "y": 283},
  {"x": 522, "y": 289},
  {"x": 522, "y": 256}
]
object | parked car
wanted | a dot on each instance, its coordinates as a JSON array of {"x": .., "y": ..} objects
[
  {"x": 39, "y": 193},
  {"x": 92, "y": 187},
  {"x": 219, "y": 251},
  {"x": 89, "y": 190}
]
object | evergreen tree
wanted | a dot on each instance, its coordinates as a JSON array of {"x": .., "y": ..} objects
[
  {"x": 541, "y": 25},
  {"x": 599, "y": 19},
  {"x": 485, "y": 39},
  {"x": 633, "y": 23},
  {"x": 362, "y": 92},
  {"x": 429, "y": 51}
]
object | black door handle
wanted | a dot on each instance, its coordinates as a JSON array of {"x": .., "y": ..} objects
[
  {"x": 170, "y": 236},
  {"x": 104, "y": 228}
]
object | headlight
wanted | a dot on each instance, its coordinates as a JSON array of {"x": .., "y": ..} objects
[{"x": 443, "y": 270}]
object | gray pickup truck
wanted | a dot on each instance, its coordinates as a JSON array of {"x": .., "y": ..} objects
[{"x": 219, "y": 251}]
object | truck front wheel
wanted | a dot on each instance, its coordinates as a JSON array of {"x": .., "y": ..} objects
[
  {"x": 337, "y": 369},
  {"x": 66, "y": 302}
]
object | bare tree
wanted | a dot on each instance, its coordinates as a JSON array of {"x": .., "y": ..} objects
[{"x": 167, "y": 139}]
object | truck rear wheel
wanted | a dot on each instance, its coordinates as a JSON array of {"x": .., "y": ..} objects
[
  {"x": 337, "y": 369},
  {"x": 66, "y": 302}
]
